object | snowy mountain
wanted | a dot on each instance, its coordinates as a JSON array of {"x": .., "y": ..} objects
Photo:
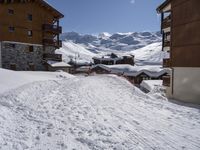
[
  {"x": 146, "y": 46},
  {"x": 116, "y": 41}
]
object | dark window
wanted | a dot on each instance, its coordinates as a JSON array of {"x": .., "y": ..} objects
[
  {"x": 10, "y": 11},
  {"x": 30, "y": 33},
  {"x": 30, "y": 48},
  {"x": 30, "y": 17},
  {"x": 11, "y": 29},
  {"x": 12, "y": 45},
  {"x": 31, "y": 66},
  {"x": 13, "y": 66}
]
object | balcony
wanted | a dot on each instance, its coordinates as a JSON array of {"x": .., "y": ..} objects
[
  {"x": 166, "y": 23},
  {"x": 52, "y": 42},
  {"x": 54, "y": 57},
  {"x": 166, "y": 81},
  {"x": 52, "y": 28},
  {"x": 166, "y": 44},
  {"x": 166, "y": 63}
]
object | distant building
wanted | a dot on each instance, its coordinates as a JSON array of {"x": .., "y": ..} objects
[
  {"x": 180, "y": 25},
  {"x": 113, "y": 59},
  {"x": 29, "y": 34},
  {"x": 135, "y": 74}
]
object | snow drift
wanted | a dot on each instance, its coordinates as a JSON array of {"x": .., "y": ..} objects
[{"x": 96, "y": 112}]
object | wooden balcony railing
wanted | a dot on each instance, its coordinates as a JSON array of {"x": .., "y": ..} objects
[
  {"x": 52, "y": 28},
  {"x": 166, "y": 22},
  {"x": 52, "y": 42},
  {"x": 166, "y": 81},
  {"x": 166, "y": 63},
  {"x": 55, "y": 57},
  {"x": 166, "y": 44}
]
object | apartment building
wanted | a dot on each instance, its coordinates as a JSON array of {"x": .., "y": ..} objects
[
  {"x": 180, "y": 26},
  {"x": 29, "y": 34}
]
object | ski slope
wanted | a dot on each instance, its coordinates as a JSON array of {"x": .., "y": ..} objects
[
  {"x": 74, "y": 51},
  {"x": 95, "y": 112},
  {"x": 150, "y": 54}
]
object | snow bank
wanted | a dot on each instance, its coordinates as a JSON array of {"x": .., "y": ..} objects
[
  {"x": 13, "y": 79},
  {"x": 151, "y": 84},
  {"x": 97, "y": 112}
]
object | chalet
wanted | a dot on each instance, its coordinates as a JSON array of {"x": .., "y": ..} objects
[
  {"x": 180, "y": 22},
  {"x": 29, "y": 34},
  {"x": 99, "y": 70},
  {"x": 113, "y": 59},
  {"x": 135, "y": 74}
]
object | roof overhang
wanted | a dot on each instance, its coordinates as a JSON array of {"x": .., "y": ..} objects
[
  {"x": 163, "y": 6},
  {"x": 55, "y": 12}
]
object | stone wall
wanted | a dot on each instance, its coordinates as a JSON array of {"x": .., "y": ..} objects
[{"x": 23, "y": 56}]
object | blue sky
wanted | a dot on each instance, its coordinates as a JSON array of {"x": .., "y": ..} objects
[{"x": 96, "y": 16}]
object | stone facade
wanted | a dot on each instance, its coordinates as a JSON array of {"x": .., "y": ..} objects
[{"x": 18, "y": 56}]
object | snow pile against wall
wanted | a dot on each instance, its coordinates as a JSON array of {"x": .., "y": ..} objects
[{"x": 13, "y": 79}]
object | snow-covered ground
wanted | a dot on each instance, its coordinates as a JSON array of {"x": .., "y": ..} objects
[
  {"x": 12, "y": 79},
  {"x": 151, "y": 84},
  {"x": 95, "y": 112}
]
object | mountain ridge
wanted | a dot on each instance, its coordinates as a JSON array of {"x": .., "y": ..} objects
[
  {"x": 116, "y": 41},
  {"x": 146, "y": 46}
]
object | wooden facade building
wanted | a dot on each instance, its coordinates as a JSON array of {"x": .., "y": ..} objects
[
  {"x": 180, "y": 25},
  {"x": 29, "y": 34},
  {"x": 113, "y": 59}
]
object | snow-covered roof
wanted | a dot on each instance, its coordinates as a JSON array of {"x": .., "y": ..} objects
[
  {"x": 106, "y": 58},
  {"x": 58, "y": 64},
  {"x": 129, "y": 70}
]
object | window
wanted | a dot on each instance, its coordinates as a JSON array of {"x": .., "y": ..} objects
[
  {"x": 30, "y": 33},
  {"x": 11, "y": 29},
  {"x": 13, "y": 66},
  {"x": 31, "y": 66},
  {"x": 9, "y": 1},
  {"x": 30, "y": 17},
  {"x": 30, "y": 48},
  {"x": 10, "y": 11}
]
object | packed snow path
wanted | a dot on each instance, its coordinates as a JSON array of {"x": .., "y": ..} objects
[{"x": 99, "y": 112}]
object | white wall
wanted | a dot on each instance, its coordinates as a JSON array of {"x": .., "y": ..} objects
[
  {"x": 169, "y": 89},
  {"x": 187, "y": 84},
  {"x": 0, "y": 57}
]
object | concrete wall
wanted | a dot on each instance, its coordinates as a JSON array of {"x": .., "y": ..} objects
[
  {"x": 187, "y": 84},
  {"x": 169, "y": 89}
]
